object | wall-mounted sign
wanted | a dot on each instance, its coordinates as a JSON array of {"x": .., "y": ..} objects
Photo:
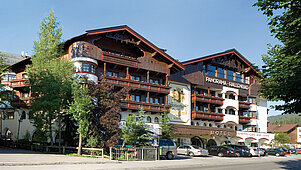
[
  {"x": 219, "y": 133},
  {"x": 226, "y": 83}
]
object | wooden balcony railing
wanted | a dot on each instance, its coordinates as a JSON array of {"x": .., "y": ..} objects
[
  {"x": 18, "y": 83},
  {"x": 23, "y": 102},
  {"x": 207, "y": 99},
  {"x": 207, "y": 116},
  {"x": 244, "y": 105},
  {"x": 152, "y": 107},
  {"x": 119, "y": 59},
  {"x": 244, "y": 119},
  {"x": 138, "y": 84}
]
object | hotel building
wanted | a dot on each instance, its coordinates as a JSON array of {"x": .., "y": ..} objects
[{"x": 212, "y": 100}]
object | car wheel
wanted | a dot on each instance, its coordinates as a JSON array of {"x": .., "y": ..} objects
[
  {"x": 220, "y": 154},
  {"x": 277, "y": 154},
  {"x": 191, "y": 154},
  {"x": 237, "y": 154},
  {"x": 169, "y": 156}
]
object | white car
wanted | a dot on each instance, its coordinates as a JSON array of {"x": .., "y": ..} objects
[
  {"x": 192, "y": 150},
  {"x": 256, "y": 151}
]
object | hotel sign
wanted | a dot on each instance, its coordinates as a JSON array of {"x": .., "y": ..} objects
[
  {"x": 220, "y": 133},
  {"x": 226, "y": 83}
]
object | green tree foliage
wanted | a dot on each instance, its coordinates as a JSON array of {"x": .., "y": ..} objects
[
  {"x": 5, "y": 94},
  {"x": 135, "y": 131},
  {"x": 285, "y": 119},
  {"x": 282, "y": 73},
  {"x": 80, "y": 109},
  {"x": 166, "y": 126},
  {"x": 49, "y": 78},
  {"x": 104, "y": 122},
  {"x": 281, "y": 138}
]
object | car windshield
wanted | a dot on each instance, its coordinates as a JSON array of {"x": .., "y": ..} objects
[
  {"x": 195, "y": 147},
  {"x": 231, "y": 149},
  {"x": 280, "y": 150}
]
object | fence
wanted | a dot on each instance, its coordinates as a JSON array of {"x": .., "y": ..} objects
[{"x": 133, "y": 154}]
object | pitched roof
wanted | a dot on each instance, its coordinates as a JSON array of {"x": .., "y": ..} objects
[
  {"x": 282, "y": 127},
  {"x": 230, "y": 51},
  {"x": 135, "y": 34}
]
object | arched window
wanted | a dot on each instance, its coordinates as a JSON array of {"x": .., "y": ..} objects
[
  {"x": 192, "y": 123},
  {"x": 225, "y": 126},
  {"x": 197, "y": 124},
  {"x": 149, "y": 119},
  {"x": 231, "y": 112},
  {"x": 205, "y": 124},
  {"x": 236, "y": 128},
  {"x": 218, "y": 126},
  {"x": 210, "y": 125},
  {"x": 156, "y": 120},
  {"x": 231, "y": 96}
]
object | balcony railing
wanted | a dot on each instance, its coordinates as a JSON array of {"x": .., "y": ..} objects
[
  {"x": 207, "y": 99},
  {"x": 151, "y": 107},
  {"x": 244, "y": 105},
  {"x": 244, "y": 119},
  {"x": 207, "y": 116},
  {"x": 138, "y": 84},
  {"x": 18, "y": 83},
  {"x": 119, "y": 59},
  {"x": 23, "y": 102}
]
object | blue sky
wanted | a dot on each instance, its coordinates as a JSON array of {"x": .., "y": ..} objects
[{"x": 186, "y": 28}]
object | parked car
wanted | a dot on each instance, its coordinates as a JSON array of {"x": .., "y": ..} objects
[
  {"x": 241, "y": 150},
  {"x": 5, "y": 140},
  {"x": 254, "y": 151},
  {"x": 192, "y": 150},
  {"x": 168, "y": 148},
  {"x": 293, "y": 151},
  {"x": 276, "y": 152},
  {"x": 285, "y": 150},
  {"x": 298, "y": 151},
  {"x": 261, "y": 151},
  {"x": 264, "y": 151},
  {"x": 222, "y": 151}
]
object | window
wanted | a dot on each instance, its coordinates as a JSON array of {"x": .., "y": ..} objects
[
  {"x": 135, "y": 98},
  {"x": 239, "y": 77},
  {"x": 231, "y": 112},
  {"x": 149, "y": 119},
  {"x": 205, "y": 124},
  {"x": 10, "y": 115},
  {"x": 220, "y": 111},
  {"x": 211, "y": 70},
  {"x": 113, "y": 74},
  {"x": 5, "y": 77},
  {"x": 247, "y": 80},
  {"x": 218, "y": 126},
  {"x": 24, "y": 76},
  {"x": 25, "y": 95},
  {"x": 196, "y": 108},
  {"x": 86, "y": 67},
  {"x": 92, "y": 68},
  {"x": 154, "y": 81},
  {"x": 220, "y": 95},
  {"x": 153, "y": 100},
  {"x": 156, "y": 120},
  {"x": 137, "y": 78},
  {"x": 204, "y": 69},
  {"x": 11, "y": 77},
  {"x": 23, "y": 115},
  {"x": 252, "y": 100},
  {"x": 192, "y": 123},
  {"x": 230, "y": 74},
  {"x": 197, "y": 124},
  {"x": 221, "y": 73},
  {"x": 231, "y": 96},
  {"x": 210, "y": 125}
]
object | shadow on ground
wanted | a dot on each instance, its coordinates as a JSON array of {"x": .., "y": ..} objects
[
  {"x": 5, "y": 150},
  {"x": 291, "y": 164}
]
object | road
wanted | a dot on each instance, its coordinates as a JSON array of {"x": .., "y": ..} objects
[{"x": 12, "y": 159}]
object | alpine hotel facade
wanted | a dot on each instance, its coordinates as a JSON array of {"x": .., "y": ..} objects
[{"x": 212, "y": 100}]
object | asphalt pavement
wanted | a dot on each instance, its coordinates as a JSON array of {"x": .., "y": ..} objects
[{"x": 23, "y": 159}]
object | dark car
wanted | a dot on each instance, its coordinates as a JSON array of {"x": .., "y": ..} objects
[
  {"x": 241, "y": 150},
  {"x": 276, "y": 152},
  {"x": 293, "y": 151},
  {"x": 5, "y": 140},
  {"x": 285, "y": 150},
  {"x": 222, "y": 151},
  {"x": 264, "y": 151}
]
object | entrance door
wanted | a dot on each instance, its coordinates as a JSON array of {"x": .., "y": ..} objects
[
  {"x": 197, "y": 141},
  {"x": 211, "y": 143}
]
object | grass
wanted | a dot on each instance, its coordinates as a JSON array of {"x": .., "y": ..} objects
[{"x": 86, "y": 156}]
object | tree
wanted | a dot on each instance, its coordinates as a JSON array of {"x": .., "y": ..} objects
[
  {"x": 282, "y": 72},
  {"x": 49, "y": 78},
  {"x": 128, "y": 131},
  {"x": 80, "y": 109},
  {"x": 166, "y": 126},
  {"x": 281, "y": 138},
  {"x": 104, "y": 122},
  {"x": 142, "y": 135}
]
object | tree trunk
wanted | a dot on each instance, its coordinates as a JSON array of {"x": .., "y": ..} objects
[
  {"x": 50, "y": 132},
  {"x": 18, "y": 129},
  {"x": 79, "y": 150},
  {"x": 60, "y": 132}
]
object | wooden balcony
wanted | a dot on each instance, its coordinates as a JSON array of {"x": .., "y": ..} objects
[
  {"x": 244, "y": 119},
  {"x": 207, "y": 99},
  {"x": 17, "y": 83},
  {"x": 150, "y": 107},
  {"x": 207, "y": 116},
  {"x": 119, "y": 59},
  {"x": 244, "y": 105},
  {"x": 123, "y": 82},
  {"x": 23, "y": 102}
]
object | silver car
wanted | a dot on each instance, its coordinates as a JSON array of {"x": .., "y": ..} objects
[{"x": 192, "y": 150}]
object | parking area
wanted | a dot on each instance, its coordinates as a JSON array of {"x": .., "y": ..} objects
[{"x": 22, "y": 159}]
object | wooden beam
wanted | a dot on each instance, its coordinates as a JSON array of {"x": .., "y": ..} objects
[
  {"x": 170, "y": 65},
  {"x": 154, "y": 53}
]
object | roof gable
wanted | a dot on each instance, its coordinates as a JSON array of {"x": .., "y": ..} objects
[{"x": 227, "y": 52}]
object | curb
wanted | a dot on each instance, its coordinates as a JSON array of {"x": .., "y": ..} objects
[{"x": 54, "y": 163}]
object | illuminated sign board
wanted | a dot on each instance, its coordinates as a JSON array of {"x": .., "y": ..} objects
[{"x": 226, "y": 83}]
